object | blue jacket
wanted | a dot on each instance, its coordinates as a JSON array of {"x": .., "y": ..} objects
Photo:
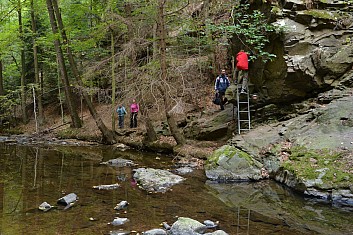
[
  {"x": 222, "y": 83},
  {"x": 121, "y": 111}
]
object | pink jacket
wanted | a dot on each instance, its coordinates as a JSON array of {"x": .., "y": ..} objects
[{"x": 134, "y": 108}]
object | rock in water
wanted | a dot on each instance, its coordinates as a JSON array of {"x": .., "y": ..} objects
[
  {"x": 119, "y": 162},
  {"x": 119, "y": 233},
  {"x": 121, "y": 205},
  {"x": 44, "y": 206},
  {"x": 156, "y": 180},
  {"x": 166, "y": 225},
  {"x": 107, "y": 186},
  {"x": 119, "y": 221},
  {"x": 66, "y": 200},
  {"x": 157, "y": 231},
  {"x": 210, "y": 224}
]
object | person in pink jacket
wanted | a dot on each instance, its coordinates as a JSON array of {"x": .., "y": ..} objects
[{"x": 134, "y": 109}]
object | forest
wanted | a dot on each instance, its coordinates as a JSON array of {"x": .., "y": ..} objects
[{"x": 69, "y": 55}]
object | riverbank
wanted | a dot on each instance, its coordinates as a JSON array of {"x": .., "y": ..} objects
[{"x": 57, "y": 132}]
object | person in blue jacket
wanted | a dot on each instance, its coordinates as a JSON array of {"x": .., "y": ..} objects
[
  {"x": 121, "y": 114},
  {"x": 221, "y": 85}
]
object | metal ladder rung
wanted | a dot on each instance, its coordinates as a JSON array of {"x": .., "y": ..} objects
[{"x": 242, "y": 108}]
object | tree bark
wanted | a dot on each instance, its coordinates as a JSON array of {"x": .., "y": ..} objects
[
  {"x": 108, "y": 135},
  {"x": 23, "y": 64},
  {"x": 2, "y": 92},
  {"x": 179, "y": 138},
  {"x": 76, "y": 122},
  {"x": 113, "y": 79},
  {"x": 36, "y": 69},
  {"x": 151, "y": 133}
]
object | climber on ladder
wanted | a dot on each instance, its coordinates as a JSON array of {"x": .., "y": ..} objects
[
  {"x": 242, "y": 68},
  {"x": 243, "y": 105}
]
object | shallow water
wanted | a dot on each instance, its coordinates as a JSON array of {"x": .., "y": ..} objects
[{"x": 32, "y": 175}]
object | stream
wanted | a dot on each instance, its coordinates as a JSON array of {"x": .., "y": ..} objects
[{"x": 31, "y": 175}]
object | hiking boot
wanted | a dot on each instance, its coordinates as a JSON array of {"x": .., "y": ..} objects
[{"x": 243, "y": 91}]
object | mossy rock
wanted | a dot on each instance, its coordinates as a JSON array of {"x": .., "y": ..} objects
[
  {"x": 322, "y": 169},
  {"x": 226, "y": 151},
  {"x": 231, "y": 164},
  {"x": 321, "y": 14}
]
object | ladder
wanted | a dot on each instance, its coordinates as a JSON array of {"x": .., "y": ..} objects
[
  {"x": 243, "y": 214},
  {"x": 243, "y": 109}
]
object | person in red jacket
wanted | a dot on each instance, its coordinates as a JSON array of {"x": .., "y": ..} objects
[{"x": 242, "y": 66}]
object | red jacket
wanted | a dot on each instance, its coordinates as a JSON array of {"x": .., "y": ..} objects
[{"x": 242, "y": 61}]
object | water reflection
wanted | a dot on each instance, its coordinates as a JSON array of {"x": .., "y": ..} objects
[
  {"x": 32, "y": 175},
  {"x": 276, "y": 205}
]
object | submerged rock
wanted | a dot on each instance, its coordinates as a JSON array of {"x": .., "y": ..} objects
[
  {"x": 119, "y": 162},
  {"x": 107, "y": 186},
  {"x": 184, "y": 170},
  {"x": 156, "y": 180}
]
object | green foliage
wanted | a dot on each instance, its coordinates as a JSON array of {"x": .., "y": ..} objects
[
  {"x": 250, "y": 28},
  {"x": 7, "y": 105}
]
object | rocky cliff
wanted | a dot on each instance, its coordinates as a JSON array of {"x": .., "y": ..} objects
[
  {"x": 306, "y": 94},
  {"x": 314, "y": 53}
]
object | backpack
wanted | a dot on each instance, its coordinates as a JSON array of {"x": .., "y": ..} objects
[{"x": 216, "y": 100}]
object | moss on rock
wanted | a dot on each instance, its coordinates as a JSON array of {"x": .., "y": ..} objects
[
  {"x": 229, "y": 152},
  {"x": 324, "y": 168},
  {"x": 322, "y": 14}
]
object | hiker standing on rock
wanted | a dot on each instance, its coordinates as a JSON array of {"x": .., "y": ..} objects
[
  {"x": 121, "y": 114},
  {"x": 221, "y": 85},
  {"x": 134, "y": 108}
]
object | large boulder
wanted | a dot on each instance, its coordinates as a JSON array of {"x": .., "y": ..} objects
[
  {"x": 211, "y": 126},
  {"x": 156, "y": 180},
  {"x": 231, "y": 164},
  {"x": 187, "y": 226}
]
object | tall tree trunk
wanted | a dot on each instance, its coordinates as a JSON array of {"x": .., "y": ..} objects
[
  {"x": 206, "y": 9},
  {"x": 113, "y": 79},
  {"x": 36, "y": 68},
  {"x": 23, "y": 64},
  {"x": 179, "y": 138},
  {"x": 2, "y": 92},
  {"x": 155, "y": 42},
  {"x": 76, "y": 122},
  {"x": 108, "y": 135},
  {"x": 151, "y": 133}
]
